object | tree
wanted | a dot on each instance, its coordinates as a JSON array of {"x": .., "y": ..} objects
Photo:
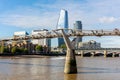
[
  {"x": 2, "y": 49},
  {"x": 63, "y": 46},
  {"x": 14, "y": 50},
  {"x": 20, "y": 50},
  {"x": 39, "y": 48},
  {"x": 6, "y": 49},
  {"x": 25, "y": 50}
]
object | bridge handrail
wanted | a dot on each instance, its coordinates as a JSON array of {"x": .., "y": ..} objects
[{"x": 57, "y": 33}]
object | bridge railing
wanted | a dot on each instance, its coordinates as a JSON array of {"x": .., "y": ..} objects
[{"x": 70, "y": 32}]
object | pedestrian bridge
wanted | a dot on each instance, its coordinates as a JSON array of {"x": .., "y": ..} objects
[{"x": 70, "y": 33}]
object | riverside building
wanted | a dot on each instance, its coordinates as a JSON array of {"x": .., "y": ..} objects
[
  {"x": 43, "y": 42},
  {"x": 20, "y": 34},
  {"x": 89, "y": 45}
]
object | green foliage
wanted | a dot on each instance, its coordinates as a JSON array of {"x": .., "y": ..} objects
[
  {"x": 39, "y": 48},
  {"x": 4, "y": 49},
  {"x": 14, "y": 50},
  {"x": 20, "y": 50},
  {"x": 25, "y": 50},
  {"x": 63, "y": 46},
  {"x": 0, "y": 49}
]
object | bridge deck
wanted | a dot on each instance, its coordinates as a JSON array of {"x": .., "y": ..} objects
[{"x": 58, "y": 33}]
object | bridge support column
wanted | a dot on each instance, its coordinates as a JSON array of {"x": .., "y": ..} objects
[
  {"x": 81, "y": 52},
  {"x": 70, "y": 63},
  {"x": 93, "y": 53},
  {"x": 105, "y": 53},
  {"x": 113, "y": 54}
]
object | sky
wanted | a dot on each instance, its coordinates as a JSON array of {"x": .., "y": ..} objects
[{"x": 28, "y": 15}]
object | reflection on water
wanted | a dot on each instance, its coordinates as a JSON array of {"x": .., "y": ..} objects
[
  {"x": 52, "y": 69},
  {"x": 70, "y": 76}
]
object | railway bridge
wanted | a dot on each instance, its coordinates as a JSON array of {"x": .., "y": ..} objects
[{"x": 99, "y": 51}]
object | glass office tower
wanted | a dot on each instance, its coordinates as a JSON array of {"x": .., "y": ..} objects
[
  {"x": 78, "y": 26},
  {"x": 62, "y": 24}
]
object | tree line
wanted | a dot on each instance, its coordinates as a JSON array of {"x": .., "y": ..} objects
[{"x": 19, "y": 50}]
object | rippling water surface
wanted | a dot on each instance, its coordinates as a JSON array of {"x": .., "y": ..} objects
[{"x": 52, "y": 69}]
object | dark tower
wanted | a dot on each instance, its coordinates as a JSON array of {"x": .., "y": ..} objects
[{"x": 78, "y": 26}]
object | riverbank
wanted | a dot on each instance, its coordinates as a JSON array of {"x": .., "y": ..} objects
[{"x": 30, "y": 55}]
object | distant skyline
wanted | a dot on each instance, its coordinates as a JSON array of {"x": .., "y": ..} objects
[{"x": 26, "y": 15}]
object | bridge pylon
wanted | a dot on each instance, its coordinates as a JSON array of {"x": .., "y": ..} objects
[
  {"x": 81, "y": 53},
  {"x": 105, "y": 53},
  {"x": 70, "y": 63}
]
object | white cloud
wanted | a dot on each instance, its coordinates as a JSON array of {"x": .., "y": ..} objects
[
  {"x": 107, "y": 19},
  {"x": 47, "y": 14},
  {"x": 28, "y": 21}
]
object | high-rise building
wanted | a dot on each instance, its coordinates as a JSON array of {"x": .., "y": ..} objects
[
  {"x": 63, "y": 20},
  {"x": 43, "y": 42},
  {"x": 62, "y": 24},
  {"x": 78, "y": 26}
]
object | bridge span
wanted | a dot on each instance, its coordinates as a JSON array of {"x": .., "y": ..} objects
[
  {"x": 70, "y": 33},
  {"x": 102, "y": 51}
]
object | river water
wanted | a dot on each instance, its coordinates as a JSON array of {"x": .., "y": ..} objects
[{"x": 51, "y": 68}]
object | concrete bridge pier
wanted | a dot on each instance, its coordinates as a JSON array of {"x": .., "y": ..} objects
[
  {"x": 70, "y": 63},
  {"x": 81, "y": 52},
  {"x": 113, "y": 54},
  {"x": 93, "y": 53},
  {"x": 105, "y": 53}
]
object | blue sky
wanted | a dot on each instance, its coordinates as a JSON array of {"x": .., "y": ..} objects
[{"x": 20, "y": 15}]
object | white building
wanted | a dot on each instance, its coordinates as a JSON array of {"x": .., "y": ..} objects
[
  {"x": 90, "y": 45},
  {"x": 43, "y": 42},
  {"x": 20, "y": 33}
]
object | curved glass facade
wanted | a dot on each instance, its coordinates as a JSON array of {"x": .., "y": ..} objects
[
  {"x": 63, "y": 20},
  {"x": 62, "y": 24}
]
